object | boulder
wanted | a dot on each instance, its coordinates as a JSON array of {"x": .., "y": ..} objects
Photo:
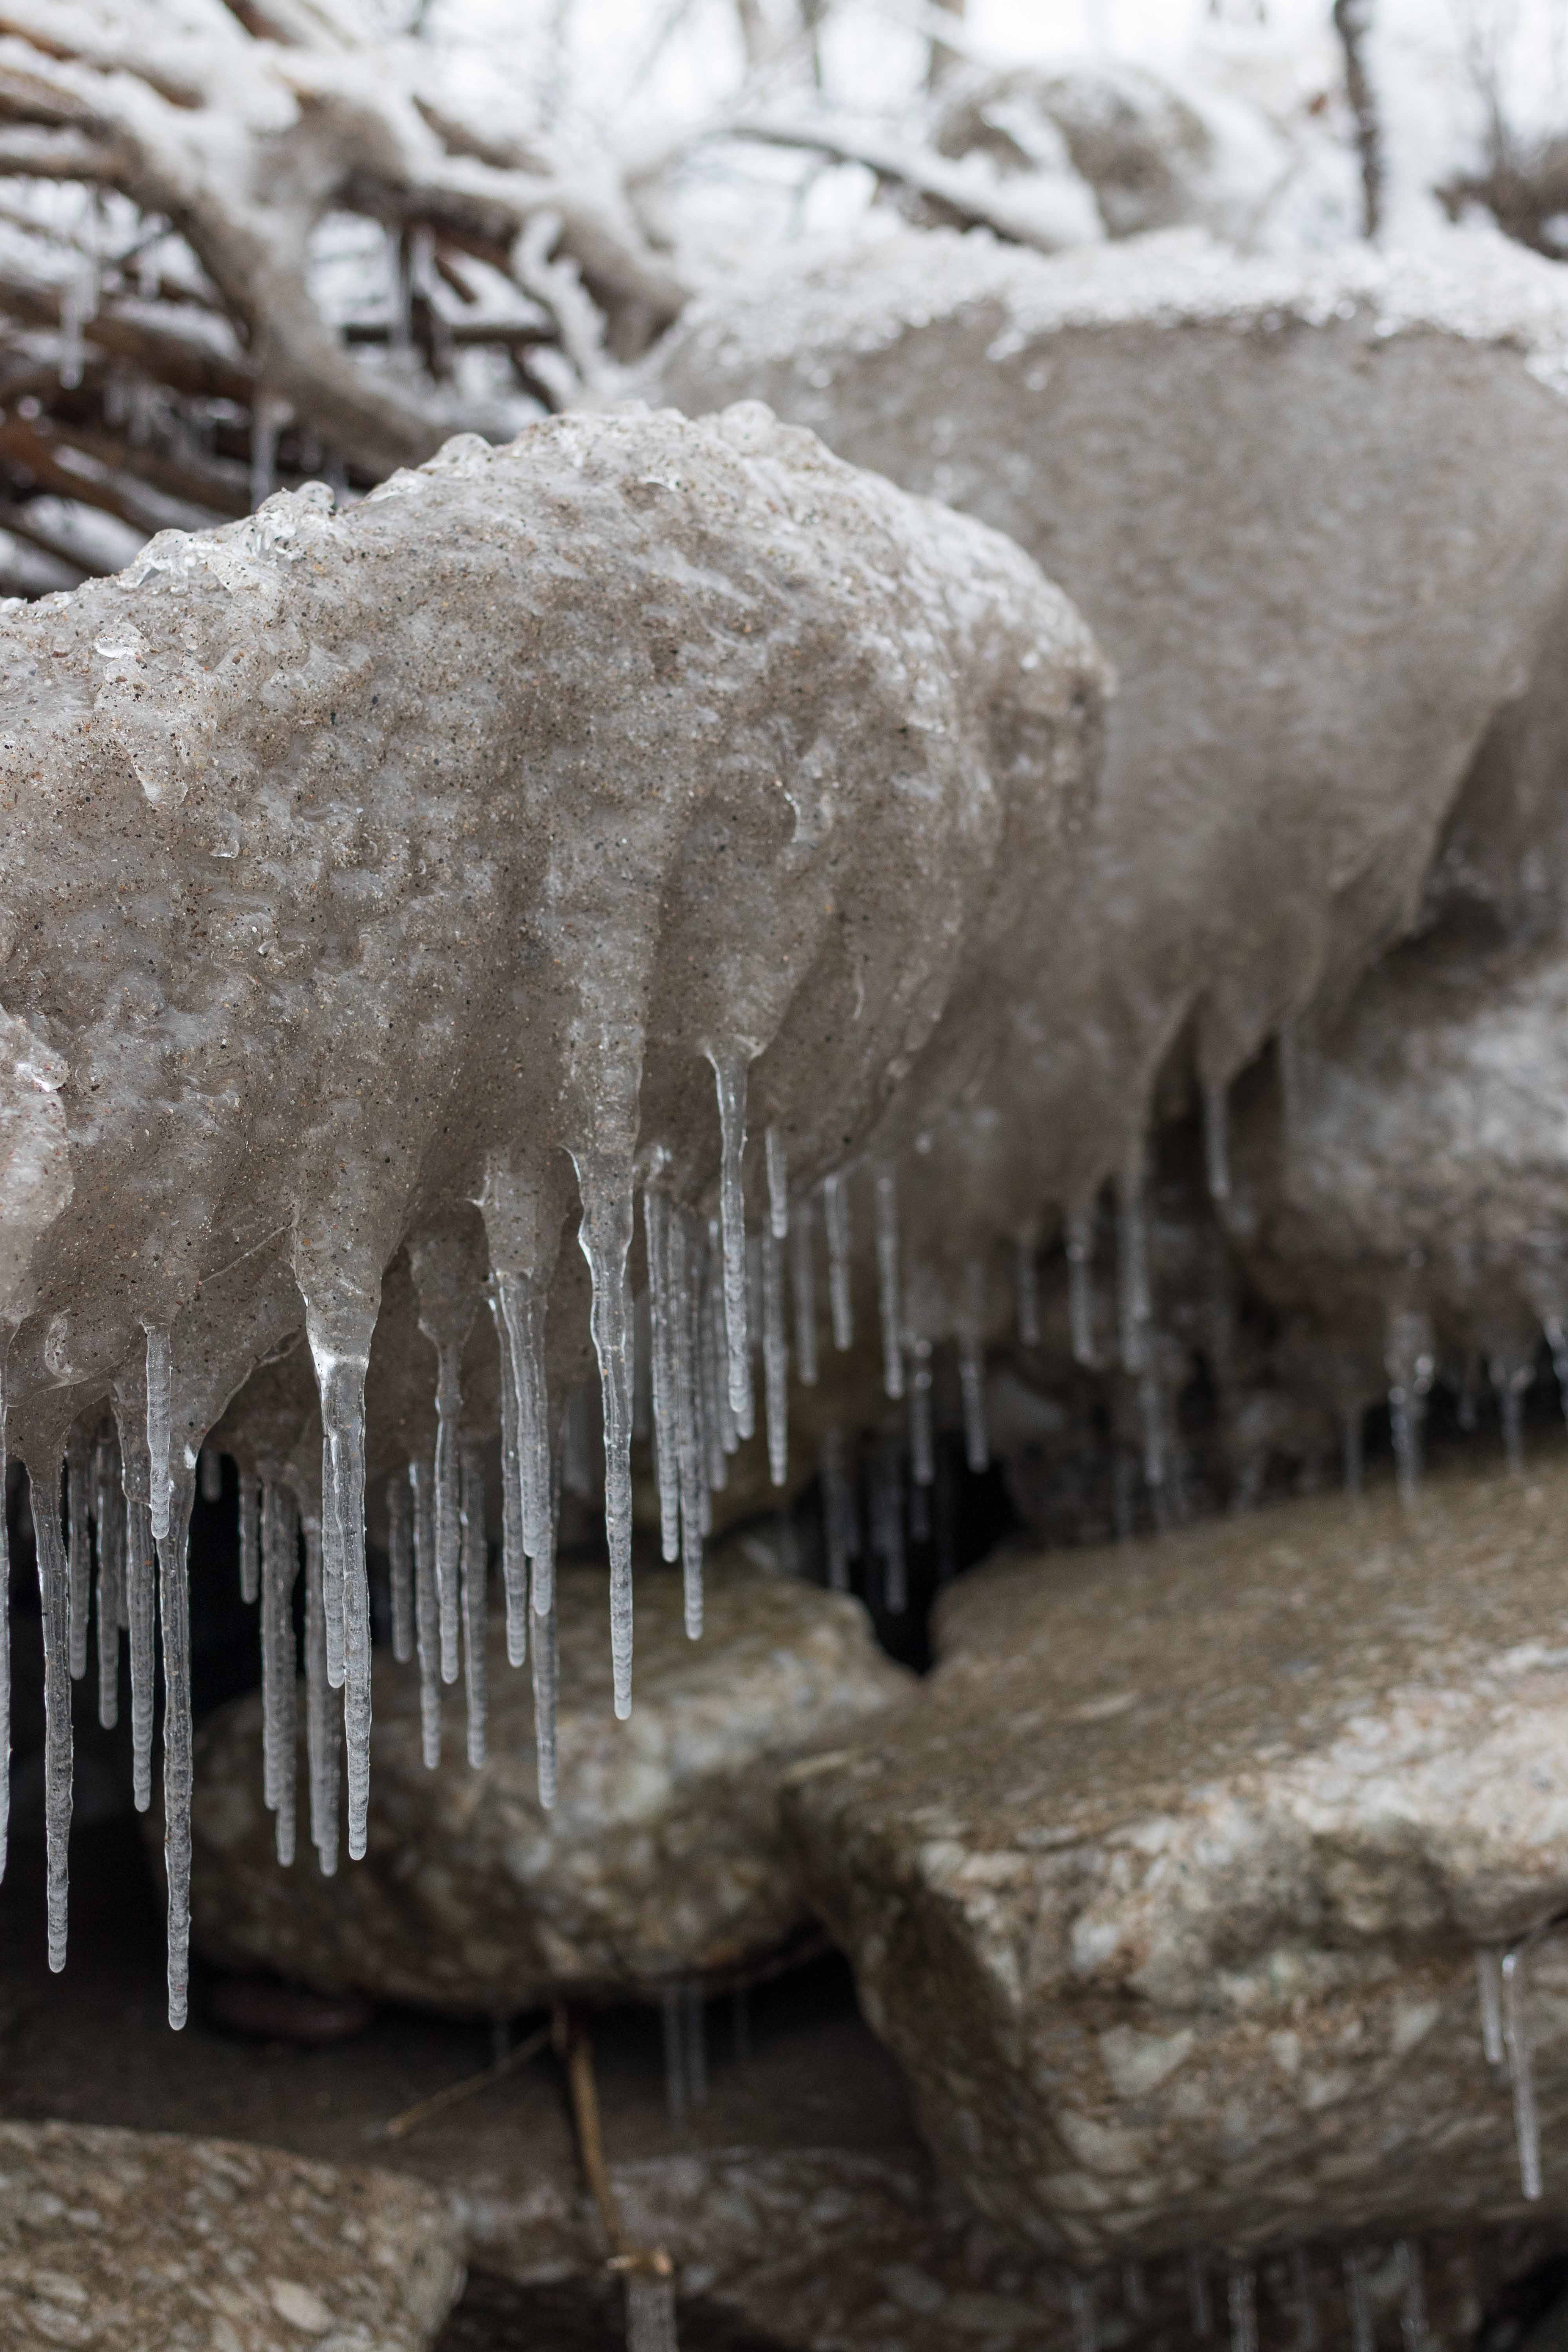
[
  {"x": 661, "y": 1861},
  {"x": 1315, "y": 514},
  {"x": 122, "y": 2240},
  {"x": 1172, "y": 1897}
]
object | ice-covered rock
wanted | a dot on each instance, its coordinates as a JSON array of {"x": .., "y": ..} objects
[
  {"x": 1171, "y": 1898},
  {"x": 1315, "y": 514},
  {"x": 660, "y": 1862},
  {"x": 517, "y": 839},
  {"x": 123, "y": 2239}
]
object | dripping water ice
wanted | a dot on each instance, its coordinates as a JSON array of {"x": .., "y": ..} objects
[
  {"x": 730, "y": 1079},
  {"x": 836, "y": 1217},
  {"x": 604, "y": 1235},
  {"x": 887, "y": 1283}
]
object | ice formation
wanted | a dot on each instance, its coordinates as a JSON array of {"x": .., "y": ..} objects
[{"x": 392, "y": 892}]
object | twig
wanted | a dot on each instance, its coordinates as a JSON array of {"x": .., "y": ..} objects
[
  {"x": 575, "y": 2048},
  {"x": 456, "y": 2092}
]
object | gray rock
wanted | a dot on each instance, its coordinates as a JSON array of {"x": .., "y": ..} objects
[
  {"x": 661, "y": 1861},
  {"x": 126, "y": 2240},
  {"x": 1315, "y": 515},
  {"x": 1169, "y": 1897}
]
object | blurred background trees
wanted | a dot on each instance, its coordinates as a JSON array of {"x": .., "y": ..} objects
[{"x": 246, "y": 245}]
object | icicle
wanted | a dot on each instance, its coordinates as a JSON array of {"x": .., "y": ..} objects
[
  {"x": 775, "y": 1357},
  {"x": 1358, "y": 2308},
  {"x": 838, "y": 1510},
  {"x": 604, "y": 1237},
  {"x": 209, "y": 1474},
  {"x": 546, "y": 1662},
  {"x": 777, "y": 1163},
  {"x": 1084, "y": 2322},
  {"x": 160, "y": 1379},
  {"x": 109, "y": 1522},
  {"x": 475, "y": 1567},
  {"x": 141, "y": 1591},
  {"x": 322, "y": 1722},
  {"x": 7, "y": 1332},
  {"x": 79, "y": 1487},
  {"x": 730, "y": 1079},
  {"x": 1132, "y": 1308},
  {"x": 682, "y": 1311},
  {"x": 724, "y": 1438},
  {"x": 446, "y": 1319},
  {"x": 1027, "y": 1290},
  {"x": 1410, "y": 1360},
  {"x": 1510, "y": 1376},
  {"x": 174, "y": 1612},
  {"x": 513, "y": 1558},
  {"x": 341, "y": 1357},
  {"x": 280, "y": 1664},
  {"x": 922, "y": 1435},
  {"x": 972, "y": 1368},
  {"x": 400, "y": 1562},
  {"x": 840, "y": 1299},
  {"x": 673, "y": 2035},
  {"x": 1242, "y": 2299},
  {"x": 1198, "y": 2310},
  {"x": 522, "y": 1312},
  {"x": 1521, "y": 2069},
  {"x": 1353, "y": 1447},
  {"x": 1489, "y": 1984},
  {"x": 1412, "y": 2297},
  {"x": 663, "y": 1310},
  {"x": 53, "y": 1593},
  {"x": 249, "y": 1543},
  {"x": 919, "y": 1514},
  {"x": 887, "y": 1283},
  {"x": 1216, "y": 1139},
  {"x": 1080, "y": 1283},
  {"x": 887, "y": 1523},
  {"x": 803, "y": 1284},
  {"x": 1305, "y": 2291},
  {"x": 426, "y": 1614}
]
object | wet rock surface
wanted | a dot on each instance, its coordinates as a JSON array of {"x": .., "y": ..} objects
[
  {"x": 1169, "y": 1900},
  {"x": 125, "y": 2239},
  {"x": 662, "y": 1860}
]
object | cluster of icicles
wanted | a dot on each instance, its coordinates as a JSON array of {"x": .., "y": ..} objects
[{"x": 1301, "y": 2298}]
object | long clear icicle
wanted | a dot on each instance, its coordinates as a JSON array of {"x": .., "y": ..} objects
[
  {"x": 657, "y": 1219},
  {"x": 803, "y": 1284},
  {"x": 1521, "y": 2068},
  {"x": 400, "y": 1563},
  {"x": 718, "y": 1421},
  {"x": 604, "y": 1237},
  {"x": 78, "y": 1488},
  {"x": 174, "y": 1612},
  {"x": 447, "y": 1503},
  {"x": 887, "y": 1283},
  {"x": 524, "y": 1313},
  {"x": 475, "y": 1571},
  {"x": 322, "y": 1732},
  {"x": 54, "y": 1595},
  {"x": 546, "y": 1659},
  {"x": 730, "y": 1080},
  {"x": 776, "y": 1159},
  {"x": 776, "y": 1356},
  {"x": 160, "y": 1410},
  {"x": 249, "y": 1536},
  {"x": 141, "y": 1588},
  {"x": 426, "y": 1614},
  {"x": 840, "y": 1298},
  {"x": 513, "y": 1558},
  {"x": 1080, "y": 1283},
  {"x": 279, "y": 1567},
  {"x": 341, "y": 1366},
  {"x": 684, "y": 1305},
  {"x": 109, "y": 1524}
]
